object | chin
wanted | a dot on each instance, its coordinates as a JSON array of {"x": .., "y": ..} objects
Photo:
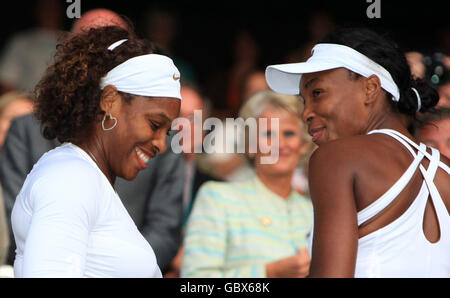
[
  {"x": 280, "y": 169},
  {"x": 130, "y": 176}
]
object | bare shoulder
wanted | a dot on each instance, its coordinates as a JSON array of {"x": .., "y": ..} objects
[
  {"x": 346, "y": 163},
  {"x": 334, "y": 166},
  {"x": 345, "y": 151}
]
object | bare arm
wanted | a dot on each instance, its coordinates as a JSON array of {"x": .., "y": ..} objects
[{"x": 335, "y": 221}]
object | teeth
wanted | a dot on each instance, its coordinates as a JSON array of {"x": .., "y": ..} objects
[{"x": 142, "y": 156}]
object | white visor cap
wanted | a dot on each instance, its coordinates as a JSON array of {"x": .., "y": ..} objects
[{"x": 285, "y": 78}]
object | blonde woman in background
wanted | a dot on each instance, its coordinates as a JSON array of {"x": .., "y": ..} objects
[{"x": 257, "y": 227}]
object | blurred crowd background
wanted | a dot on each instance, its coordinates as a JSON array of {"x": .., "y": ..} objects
[{"x": 219, "y": 44}]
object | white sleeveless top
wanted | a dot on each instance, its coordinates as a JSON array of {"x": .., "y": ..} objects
[
  {"x": 68, "y": 221},
  {"x": 400, "y": 249}
]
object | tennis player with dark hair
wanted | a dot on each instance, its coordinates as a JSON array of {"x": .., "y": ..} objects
[
  {"x": 381, "y": 199},
  {"x": 110, "y": 100}
]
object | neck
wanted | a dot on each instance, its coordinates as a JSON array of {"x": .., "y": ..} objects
[
  {"x": 389, "y": 120},
  {"x": 95, "y": 149},
  {"x": 279, "y": 184}
]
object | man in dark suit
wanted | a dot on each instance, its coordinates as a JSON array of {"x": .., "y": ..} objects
[
  {"x": 153, "y": 199},
  {"x": 194, "y": 176}
]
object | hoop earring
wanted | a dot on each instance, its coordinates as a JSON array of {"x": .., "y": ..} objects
[{"x": 110, "y": 117}]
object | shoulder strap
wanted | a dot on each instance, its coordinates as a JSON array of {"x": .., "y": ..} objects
[
  {"x": 439, "y": 206},
  {"x": 392, "y": 132},
  {"x": 428, "y": 175},
  {"x": 387, "y": 198}
]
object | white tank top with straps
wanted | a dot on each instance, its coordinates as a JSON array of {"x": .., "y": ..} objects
[{"x": 400, "y": 249}]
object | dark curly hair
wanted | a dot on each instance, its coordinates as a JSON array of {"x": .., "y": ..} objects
[{"x": 68, "y": 96}]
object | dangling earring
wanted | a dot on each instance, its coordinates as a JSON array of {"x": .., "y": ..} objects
[{"x": 110, "y": 117}]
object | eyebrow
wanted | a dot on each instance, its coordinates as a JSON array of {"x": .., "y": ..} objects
[
  {"x": 308, "y": 84},
  {"x": 164, "y": 116},
  {"x": 313, "y": 80}
]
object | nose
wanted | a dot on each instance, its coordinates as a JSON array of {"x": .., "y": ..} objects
[
  {"x": 307, "y": 114},
  {"x": 281, "y": 140},
  {"x": 160, "y": 141}
]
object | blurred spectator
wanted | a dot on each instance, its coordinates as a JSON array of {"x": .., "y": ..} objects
[
  {"x": 193, "y": 173},
  {"x": 437, "y": 67},
  {"x": 444, "y": 89},
  {"x": 246, "y": 55},
  {"x": 4, "y": 234},
  {"x": 12, "y": 105},
  {"x": 27, "y": 54},
  {"x": 299, "y": 179},
  {"x": 253, "y": 83},
  {"x": 435, "y": 130},
  {"x": 320, "y": 22},
  {"x": 153, "y": 199},
  {"x": 444, "y": 95},
  {"x": 161, "y": 27},
  {"x": 415, "y": 62},
  {"x": 233, "y": 166},
  {"x": 300, "y": 54},
  {"x": 228, "y": 166},
  {"x": 96, "y": 18},
  {"x": 257, "y": 227},
  {"x": 225, "y": 86},
  {"x": 443, "y": 34}
]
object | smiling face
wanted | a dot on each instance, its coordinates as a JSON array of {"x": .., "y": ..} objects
[
  {"x": 291, "y": 145},
  {"x": 334, "y": 104},
  {"x": 140, "y": 134}
]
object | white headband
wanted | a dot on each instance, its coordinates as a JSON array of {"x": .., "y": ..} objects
[
  {"x": 116, "y": 44},
  {"x": 285, "y": 78},
  {"x": 147, "y": 75}
]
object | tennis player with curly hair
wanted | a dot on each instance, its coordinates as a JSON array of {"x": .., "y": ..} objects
[{"x": 110, "y": 100}]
